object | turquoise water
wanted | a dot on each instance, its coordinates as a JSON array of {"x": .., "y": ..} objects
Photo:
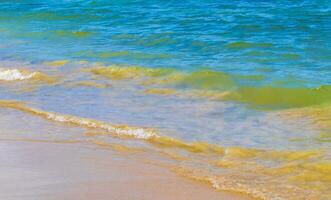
[
  {"x": 280, "y": 39},
  {"x": 251, "y": 77}
]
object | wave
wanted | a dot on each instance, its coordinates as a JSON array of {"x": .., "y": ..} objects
[
  {"x": 264, "y": 174},
  {"x": 216, "y": 86},
  {"x": 277, "y": 97},
  {"x": 117, "y": 72},
  {"x": 318, "y": 115},
  {"x": 151, "y": 135},
  {"x": 20, "y": 75},
  {"x": 14, "y": 74},
  {"x": 117, "y": 130},
  {"x": 56, "y": 63}
]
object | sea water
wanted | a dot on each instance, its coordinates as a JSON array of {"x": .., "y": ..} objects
[{"x": 237, "y": 92}]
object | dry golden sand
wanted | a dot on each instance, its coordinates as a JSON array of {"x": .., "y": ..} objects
[{"x": 56, "y": 171}]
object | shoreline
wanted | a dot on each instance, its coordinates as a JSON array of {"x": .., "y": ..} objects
[
  {"x": 72, "y": 171},
  {"x": 55, "y": 130}
]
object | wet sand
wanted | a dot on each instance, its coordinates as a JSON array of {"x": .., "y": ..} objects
[{"x": 55, "y": 171}]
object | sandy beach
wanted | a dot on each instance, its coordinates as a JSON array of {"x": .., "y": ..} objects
[
  {"x": 49, "y": 171},
  {"x": 42, "y": 160}
]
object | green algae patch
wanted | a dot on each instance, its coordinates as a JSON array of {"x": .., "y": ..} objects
[
  {"x": 226, "y": 87},
  {"x": 76, "y": 34},
  {"x": 290, "y": 56},
  {"x": 277, "y": 97},
  {"x": 116, "y": 72},
  {"x": 239, "y": 45},
  {"x": 209, "y": 80},
  {"x": 246, "y": 45}
]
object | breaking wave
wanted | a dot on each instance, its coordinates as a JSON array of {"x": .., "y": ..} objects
[
  {"x": 20, "y": 75},
  {"x": 217, "y": 86},
  {"x": 263, "y": 174},
  {"x": 140, "y": 133}
]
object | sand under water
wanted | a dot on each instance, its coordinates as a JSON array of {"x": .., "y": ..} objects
[{"x": 51, "y": 168}]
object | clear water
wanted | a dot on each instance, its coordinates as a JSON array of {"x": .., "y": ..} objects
[
  {"x": 289, "y": 37},
  {"x": 257, "y": 44}
]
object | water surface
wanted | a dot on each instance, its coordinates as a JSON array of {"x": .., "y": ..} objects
[{"x": 239, "y": 89}]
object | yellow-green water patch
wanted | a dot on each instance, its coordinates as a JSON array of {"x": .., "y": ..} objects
[
  {"x": 282, "y": 97},
  {"x": 222, "y": 85},
  {"x": 76, "y": 34},
  {"x": 290, "y": 56},
  {"x": 116, "y": 72},
  {"x": 56, "y": 63},
  {"x": 205, "y": 79},
  {"x": 239, "y": 45},
  {"x": 160, "y": 91}
]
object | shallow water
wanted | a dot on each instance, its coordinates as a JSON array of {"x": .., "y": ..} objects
[{"x": 236, "y": 93}]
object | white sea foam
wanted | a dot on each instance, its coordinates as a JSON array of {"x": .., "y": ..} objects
[
  {"x": 117, "y": 130},
  {"x": 15, "y": 74},
  {"x": 140, "y": 133}
]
